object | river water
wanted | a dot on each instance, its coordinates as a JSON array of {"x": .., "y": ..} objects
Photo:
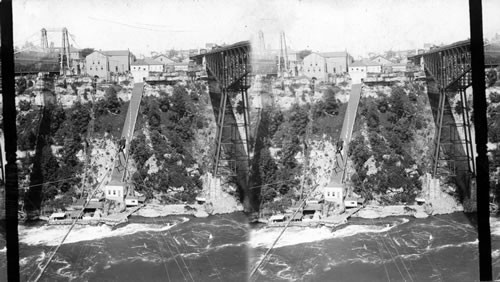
[
  {"x": 440, "y": 248},
  {"x": 146, "y": 249}
]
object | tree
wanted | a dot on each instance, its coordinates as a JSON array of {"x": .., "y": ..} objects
[
  {"x": 87, "y": 51},
  {"x": 303, "y": 53},
  {"x": 24, "y": 105}
]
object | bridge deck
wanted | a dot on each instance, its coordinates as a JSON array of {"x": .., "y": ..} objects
[
  {"x": 128, "y": 132},
  {"x": 346, "y": 134}
]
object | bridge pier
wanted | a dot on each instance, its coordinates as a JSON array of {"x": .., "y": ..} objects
[
  {"x": 228, "y": 70},
  {"x": 450, "y": 149},
  {"x": 231, "y": 158}
]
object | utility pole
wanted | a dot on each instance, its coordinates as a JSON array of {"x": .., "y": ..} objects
[
  {"x": 9, "y": 121},
  {"x": 481, "y": 126}
]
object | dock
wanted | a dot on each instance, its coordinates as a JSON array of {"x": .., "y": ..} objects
[
  {"x": 331, "y": 221},
  {"x": 111, "y": 220}
]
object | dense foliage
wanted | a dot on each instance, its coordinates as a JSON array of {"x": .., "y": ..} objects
[
  {"x": 171, "y": 124},
  {"x": 391, "y": 124},
  {"x": 280, "y": 176}
]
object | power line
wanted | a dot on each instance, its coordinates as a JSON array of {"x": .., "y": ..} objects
[
  {"x": 49, "y": 182},
  {"x": 139, "y": 27},
  {"x": 263, "y": 260}
]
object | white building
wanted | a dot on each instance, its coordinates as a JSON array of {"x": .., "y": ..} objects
[
  {"x": 360, "y": 70},
  {"x": 97, "y": 64},
  {"x": 334, "y": 193},
  {"x": 141, "y": 69},
  {"x": 324, "y": 66},
  {"x": 115, "y": 191}
]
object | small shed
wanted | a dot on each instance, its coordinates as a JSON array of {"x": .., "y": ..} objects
[
  {"x": 297, "y": 217},
  {"x": 57, "y": 216},
  {"x": 310, "y": 209},
  {"x": 75, "y": 214},
  {"x": 93, "y": 206},
  {"x": 420, "y": 201},
  {"x": 200, "y": 200},
  {"x": 277, "y": 218},
  {"x": 78, "y": 205},
  {"x": 131, "y": 201},
  {"x": 350, "y": 202}
]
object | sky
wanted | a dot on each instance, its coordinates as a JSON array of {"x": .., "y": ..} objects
[{"x": 358, "y": 26}]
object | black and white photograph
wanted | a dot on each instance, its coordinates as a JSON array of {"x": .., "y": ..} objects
[{"x": 278, "y": 140}]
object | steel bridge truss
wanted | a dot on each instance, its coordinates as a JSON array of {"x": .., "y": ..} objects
[
  {"x": 450, "y": 68},
  {"x": 231, "y": 67}
]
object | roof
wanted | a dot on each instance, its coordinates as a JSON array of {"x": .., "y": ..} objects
[
  {"x": 364, "y": 63},
  {"x": 94, "y": 205},
  {"x": 115, "y": 182},
  {"x": 333, "y": 54},
  {"x": 313, "y": 207},
  {"x": 297, "y": 216},
  {"x": 146, "y": 61},
  {"x": 58, "y": 214},
  {"x": 79, "y": 203},
  {"x": 116, "y": 53},
  {"x": 277, "y": 217}
]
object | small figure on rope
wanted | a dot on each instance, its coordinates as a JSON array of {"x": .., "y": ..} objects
[
  {"x": 340, "y": 146},
  {"x": 121, "y": 145}
]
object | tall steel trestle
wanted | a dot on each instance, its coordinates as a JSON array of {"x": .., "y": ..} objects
[
  {"x": 229, "y": 67},
  {"x": 450, "y": 68}
]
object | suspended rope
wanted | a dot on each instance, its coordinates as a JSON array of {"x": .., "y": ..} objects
[
  {"x": 391, "y": 241},
  {"x": 262, "y": 261},
  {"x": 69, "y": 231},
  {"x": 381, "y": 257}
]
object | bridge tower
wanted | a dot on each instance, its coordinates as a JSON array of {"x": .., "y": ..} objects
[
  {"x": 283, "y": 65},
  {"x": 65, "y": 53},
  {"x": 44, "y": 41}
]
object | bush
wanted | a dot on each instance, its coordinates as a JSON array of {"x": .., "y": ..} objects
[{"x": 24, "y": 105}]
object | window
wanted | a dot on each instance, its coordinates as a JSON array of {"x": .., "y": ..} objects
[
  {"x": 319, "y": 69},
  {"x": 114, "y": 192},
  {"x": 98, "y": 62},
  {"x": 90, "y": 68},
  {"x": 328, "y": 194},
  {"x": 333, "y": 194},
  {"x": 102, "y": 68},
  {"x": 118, "y": 193},
  {"x": 109, "y": 192},
  {"x": 93, "y": 62}
]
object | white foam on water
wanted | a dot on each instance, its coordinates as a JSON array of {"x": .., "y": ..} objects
[
  {"x": 352, "y": 230},
  {"x": 292, "y": 236},
  {"x": 437, "y": 248},
  {"x": 51, "y": 235},
  {"x": 297, "y": 235},
  {"x": 3, "y": 250},
  {"x": 495, "y": 254}
]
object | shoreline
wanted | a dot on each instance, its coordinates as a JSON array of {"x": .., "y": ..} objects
[{"x": 416, "y": 211}]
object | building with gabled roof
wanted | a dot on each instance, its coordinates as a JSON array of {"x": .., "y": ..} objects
[
  {"x": 359, "y": 70},
  {"x": 119, "y": 60},
  {"x": 381, "y": 60},
  {"x": 97, "y": 64},
  {"x": 324, "y": 66},
  {"x": 141, "y": 69}
]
